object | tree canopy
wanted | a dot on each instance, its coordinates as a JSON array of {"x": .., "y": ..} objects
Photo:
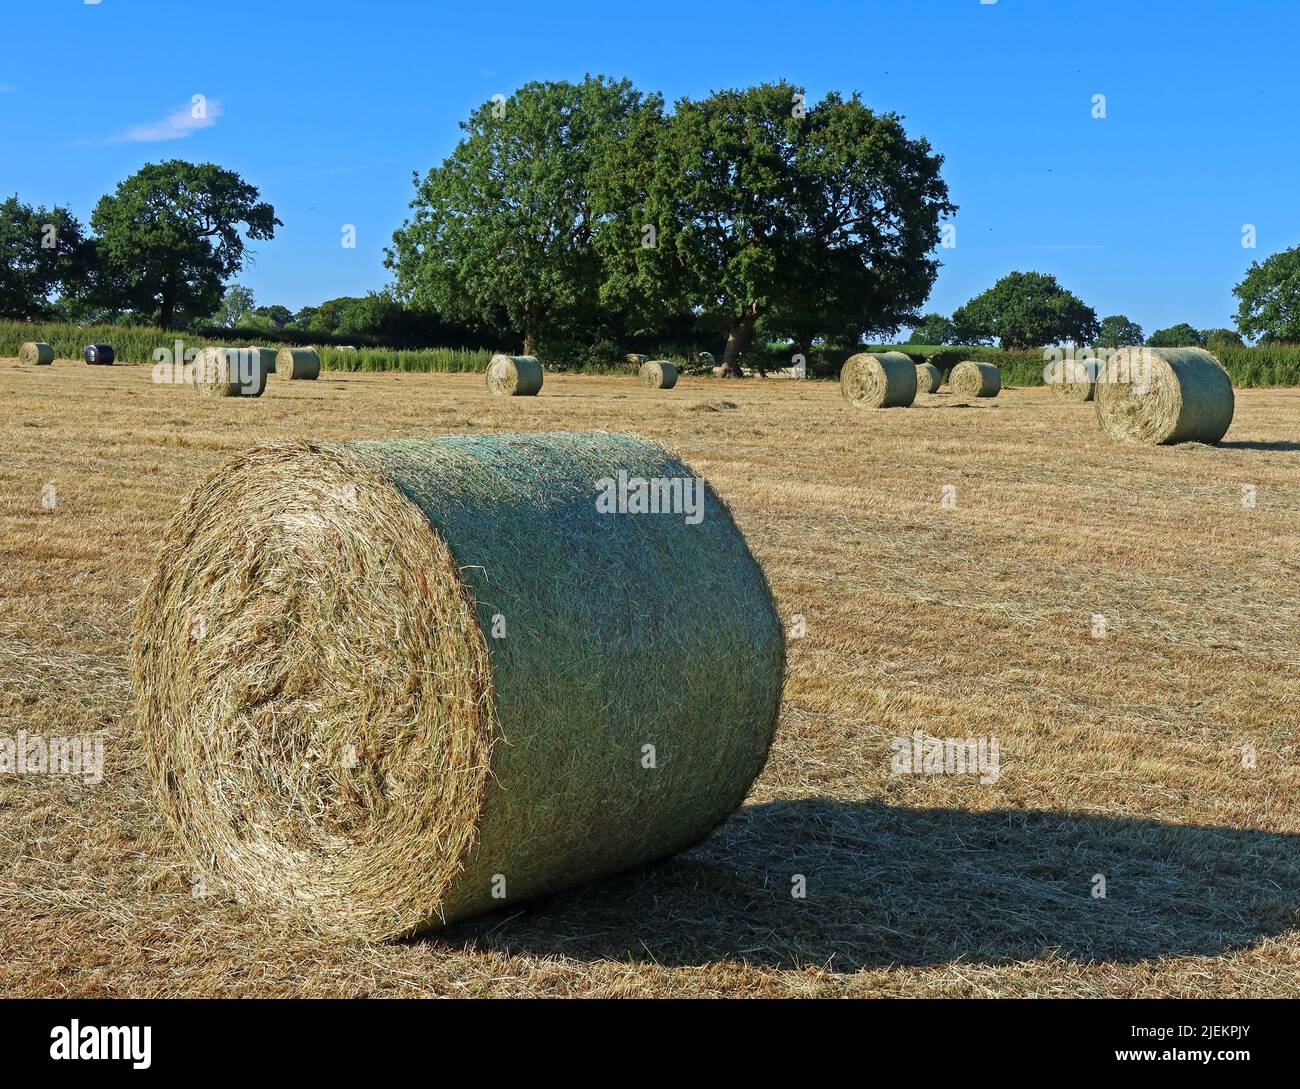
[
  {"x": 170, "y": 236},
  {"x": 1269, "y": 298},
  {"x": 1181, "y": 335},
  {"x": 1117, "y": 331},
  {"x": 1026, "y": 310},
  {"x": 933, "y": 329},
  {"x": 45, "y": 252}
]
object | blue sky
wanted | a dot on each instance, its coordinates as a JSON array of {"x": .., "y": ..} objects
[{"x": 328, "y": 106}]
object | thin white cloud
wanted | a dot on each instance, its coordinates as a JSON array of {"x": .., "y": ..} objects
[{"x": 177, "y": 125}]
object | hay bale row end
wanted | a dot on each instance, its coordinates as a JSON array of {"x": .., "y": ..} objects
[
  {"x": 297, "y": 364},
  {"x": 974, "y": 379},
  {"x": 928, "y": 378},
  {"x": 392, "y": 766}
]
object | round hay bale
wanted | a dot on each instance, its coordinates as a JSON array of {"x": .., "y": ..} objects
[
  {"x": 635, "y": 358},
  {"x": 659, "y": 374},
  {"x": 383, "y": 686},
  {"x": 514, "y": 376},
  {"x": 928, "y": 378},
  {"x": 265, "y": 356},
  {"x": 294, "y": 364},
  {"x": 36, "y": 353},
  {"x": 972, "y": 379},
  {"x": 1164, "y": 395},
  {"x": 706, "y": 358},
  {"x": 878, "y": 380},
  {"x": 719, "y": 372},
  {"x": 99, "y": 355},
  {"x": 229, "y": 372},
  {"x": 1072, "y": 381}
]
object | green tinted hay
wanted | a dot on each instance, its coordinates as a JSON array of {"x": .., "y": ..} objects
[
  {"x": 383, "y": 685},
  {"x": 974, "y": 379},
  {"x": 1164, "y": 395},
  {"x": 879, "y": 380},
  {"x": 36, "y": 353},
  {"x": 928, "y": 378},
  {"x": 297, "y": 364},
  {"x": 514, "y": 376},
  {"x": 658, "y": 374},
  {"x": 229, "y": 372}
]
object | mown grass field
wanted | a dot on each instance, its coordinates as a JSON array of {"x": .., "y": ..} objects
[{"x": 1121, "y": 756}]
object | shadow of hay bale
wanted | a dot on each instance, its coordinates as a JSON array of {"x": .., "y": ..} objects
[{"x": 896, "y": 886}]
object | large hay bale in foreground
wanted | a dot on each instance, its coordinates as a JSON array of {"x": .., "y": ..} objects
[
  {"x": 36, "y": 353},
  {"x": 658, "y": 374},
  {"x": 879, "y": 380},
  {"x": 99, "y": 355},
  {"x": 514, "y": 375},
  {"x": 1164, "y": 395},
  {"x": 1073, "y": 381},
  {"x": 229, "y": 372},
  {"x": 928, "y": 378},
  {"x": 297, "y": 364},
  {"x": 972, "y": 379},
  {"x": 387, "y": 685}
]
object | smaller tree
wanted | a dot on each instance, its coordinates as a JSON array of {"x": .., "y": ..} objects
[
  {"x": 1181, "y": 335},
  {"x": 1117, "y": 331},
  {"x": 1269, "y": 296},
  {"x": 1026, "y": 310},
  {"x": 236, "y": 306},
  {"x": 1210, "y": 337},
  {"x": 276, "y": 316},
  {"x": 44, "y": 252},
  {"x": 934, "y": 329}
]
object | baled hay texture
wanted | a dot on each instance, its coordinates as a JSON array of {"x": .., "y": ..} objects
[
  {"x": 928, "y": 378},
  {"x": 879, "y": 380},
  {"x": 514, "y": 376},
  {"x": 297, "y": 363},
  {"x": 659, "y": 374},
  {"x": 1072, "y": 381},
  {"x": 706, "y": 358},
  {"x": 99, "y": 355},
  {"x": 719, "y": 371},
  {"x": 265, "y": 356},
  {"x": 379, "y": 681},
  {"x": 972, "y": 379},
  {"x": 36, "y": 353},
  {"x": 1164, "y": 395},
  {"x": 229, "y": 372},
  {"x": 635, "y": 358}
]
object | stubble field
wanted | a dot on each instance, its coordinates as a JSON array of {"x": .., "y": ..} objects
[{"x": 1117, "y": 618}]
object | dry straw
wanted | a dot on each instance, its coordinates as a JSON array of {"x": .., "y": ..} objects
[
  {"x": 229, "y": 372},
  {"x": 514, "y": 375},
  {"x": 879, "y": 380},
  {"x": 297, "y": 363},
  {"x": 658, "y": 374},
  {"x": 972, "y": 379},
  {"x": 388, "y": 685},
  {"x": 1073, "y": 381},
  {"x": 36, "y": 353},
  {"x": 635, "y": 358},
  {"x": 1164, "y": 395},
  {"x": 928, "y": 378}
]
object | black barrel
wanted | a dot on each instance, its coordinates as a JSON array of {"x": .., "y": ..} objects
[{"x": 99, "y": 354}]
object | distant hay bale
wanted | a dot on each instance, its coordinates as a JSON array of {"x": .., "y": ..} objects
[
  {"x": 635, "y": 358},
  {"x": 265, "y": 357},
  {"x": 295, "y": 364},
  {"x": 719, "y": 372},
  {"x": 658, "y": 374},
  {"x": 972, "y": 379},
  {"x": 878, "y": 380},
  {"x": 36, "y": 353},
  {"x": 1164, "y": 395},
  {"x": 384, "y": 686},
  {"x": 705, "y": 358},
  {"x": 99, "y": 355},
  {"x": 1072, "y": 380},
  {"x": 229, "y": 372},
  {"x": 928, "y": 378},
  {"x": 514, "y": 376}
]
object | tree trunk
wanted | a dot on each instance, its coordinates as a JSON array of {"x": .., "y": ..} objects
[
  {"x": 529, "y": 346},
  {"x": 168, "y": 307},
  {"x": 737, "y": 341}
]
